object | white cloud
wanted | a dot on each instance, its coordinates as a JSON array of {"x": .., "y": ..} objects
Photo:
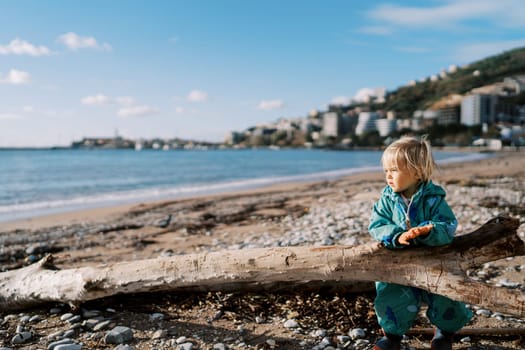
[
  {"x": 364, "y": 95},
  {"x": 22, "y": 47},
  {"x": 197, "y": 96},
  {"x": 28, "y": 109},
  {"x": 452, "y": 13},
  {"x": 340, "y": 100},
  {"x": 127, "y": 105},
  {"x": 474, "y": 52},
  {"x": 74, "y": 41},
  {"x": 16, "y": 77},
  {"x": 269, "y": 105},
  {"x": 136, "y": 111},
  {"x": 179, "y": 110},
  {"x": 9, "y": 116},
  {"x": 96, "y": 100}
]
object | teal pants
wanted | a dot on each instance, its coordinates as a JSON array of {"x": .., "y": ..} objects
[{"x": 397, "y": 306}]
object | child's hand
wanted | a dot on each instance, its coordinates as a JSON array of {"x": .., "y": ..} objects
[{"x": 413, "y": 233}]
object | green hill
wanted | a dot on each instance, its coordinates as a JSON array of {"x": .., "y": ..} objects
[{"x": 407, "y": 99}]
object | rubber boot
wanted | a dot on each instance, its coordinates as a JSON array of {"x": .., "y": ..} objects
[
  {"x": 389, "y": 342},
  {"x": 442, "y": 340}
]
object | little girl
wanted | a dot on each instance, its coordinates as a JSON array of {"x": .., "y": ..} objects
[{"x": 412, "y": 211}]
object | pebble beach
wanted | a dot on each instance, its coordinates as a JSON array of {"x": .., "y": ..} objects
[{"x": 323, "y": 213}]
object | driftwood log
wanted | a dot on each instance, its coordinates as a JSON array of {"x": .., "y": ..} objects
[{"x": 441, "y": 270}]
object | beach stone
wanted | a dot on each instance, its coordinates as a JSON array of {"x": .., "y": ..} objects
[
  {"x": 69, "y": 333},
  {"x": 55, "y": 335},
  {"x": 291, "y": 324},
  {"x": 157, "y": 316},
  {"x": 181, "y": 340},
  {"x": 465, "y": 340},
  {"x": 101, "y": 325},
  {"x": 90, "y": 323},
  {"x": 160, "y": 333},
  {"x": 185, "y": 346},
  {"x": 483, "y": 312},
  {"x": 66, "y": 316},
  {"x": 21, "y": 338},
  {"x": 219, "y": 346},
  {"x": 319, "y": 333},
  {"x": 24, "y": 319},
  {"x": 342, "y": 339},
  {"x": 69, "y": 347},
  {"x": 74, "y": 319},
  {"x": 123, "y": 347},
  {"x": 119, "y": 335},
  {"x": 357, "y": 333},
  {"x": 90, "y": 313},
  {"x": 324, "y": 343},
  {"x": 55, "y": 311},
  {"x": 52, "y": 345},
  {"x": 35, "y": 319}
]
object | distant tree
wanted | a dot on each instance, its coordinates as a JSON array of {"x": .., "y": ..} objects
[{"x": 370, "y": 139}]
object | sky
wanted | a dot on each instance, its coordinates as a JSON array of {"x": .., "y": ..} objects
[{"x": 197, "y": 69}]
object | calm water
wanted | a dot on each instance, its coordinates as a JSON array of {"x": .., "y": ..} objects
[{"x": 49, "y": 181}]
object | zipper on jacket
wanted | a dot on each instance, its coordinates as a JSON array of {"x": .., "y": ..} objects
[{"x": 408, "y": 203}]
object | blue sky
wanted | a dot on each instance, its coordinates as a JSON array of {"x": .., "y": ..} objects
[{"x": 197, "y": 69}]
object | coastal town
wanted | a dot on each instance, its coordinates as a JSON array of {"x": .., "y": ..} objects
[
  {"x": 482, "y": 104},
  {"x": 480, "y": 112}
]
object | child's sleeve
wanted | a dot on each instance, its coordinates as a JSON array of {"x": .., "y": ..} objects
[
  {"x": 382, "y": 228},
  {"x": 443, "y": 220}
]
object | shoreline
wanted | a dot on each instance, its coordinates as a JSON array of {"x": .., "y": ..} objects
[
  {"x": 95, "y": 200},
  {"x": 101, "y": 213}
]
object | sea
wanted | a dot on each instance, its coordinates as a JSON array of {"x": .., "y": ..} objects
[{"x": 50, "y": 181}]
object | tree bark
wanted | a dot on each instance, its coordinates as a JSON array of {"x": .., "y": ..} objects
[{"x": 440, "y": 270}]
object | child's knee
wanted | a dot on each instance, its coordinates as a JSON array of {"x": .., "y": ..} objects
[{"x": 450, "y": 317}]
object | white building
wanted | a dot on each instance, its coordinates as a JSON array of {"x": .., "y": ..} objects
[
  {"x": 478, "y": 109},
  {"x": 386, "y": 126},
  {"x": 331, "y": 124},
  {"x": 366, "y": 122}
]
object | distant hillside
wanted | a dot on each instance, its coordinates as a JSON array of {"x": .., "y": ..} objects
[{"x": 407, "y": 99}]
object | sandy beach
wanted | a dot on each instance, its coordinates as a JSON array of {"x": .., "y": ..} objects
[{"x": 294, "y": 214}]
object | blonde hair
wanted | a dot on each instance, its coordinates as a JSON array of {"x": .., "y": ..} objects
[{"x": 411, "y": 153}]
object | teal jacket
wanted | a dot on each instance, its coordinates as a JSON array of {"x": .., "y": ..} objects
[{"x": 428, "y": 206}]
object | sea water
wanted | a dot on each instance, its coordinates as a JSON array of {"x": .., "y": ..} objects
[{"x": 38, "y": 182}]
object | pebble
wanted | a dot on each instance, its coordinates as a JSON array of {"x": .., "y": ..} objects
[
  {"x": 156, "y": 316},
  {"x": 160, "y": 333},
  {"x": 465, "y": 340},
  {"x": 101, "y": 325},
  {"x": 69, "y": 347},
  {"x": 52, "y": 345},
  {"x": 185, "y": 346},
  {"x": 21, "y": 338},
  {"x": 357, "y": 333},
  {"x": 291, "y": 324},
  {"x": 483, "y": 312},
  {"x": 123, "y": 347},
  {"x": 119, "y": 335},
  {"x": 90, "y": 313},
  {"x": 66, "y": 316}
]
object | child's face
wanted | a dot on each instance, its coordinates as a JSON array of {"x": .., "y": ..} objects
[{"x": 401, "y": 179}]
